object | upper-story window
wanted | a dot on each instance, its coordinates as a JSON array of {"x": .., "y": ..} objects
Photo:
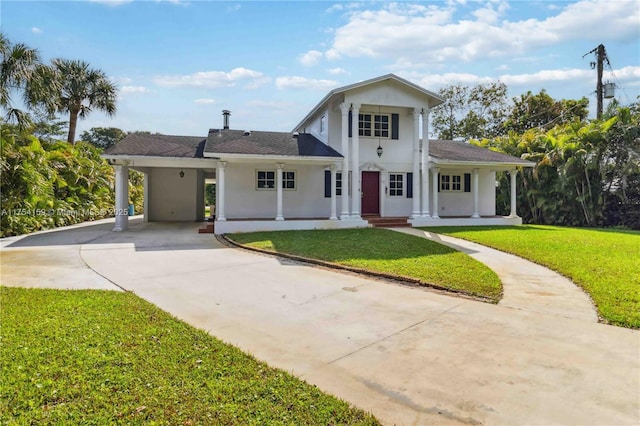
[
  {"x": 373, "y": 125},
  {"x": 323, "y": 124}
]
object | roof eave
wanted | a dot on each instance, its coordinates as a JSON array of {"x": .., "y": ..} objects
[
  {"x": 325, "y": 100},
  {"x": 468, "y": 163},
  {"x": 268, "y": 157}
]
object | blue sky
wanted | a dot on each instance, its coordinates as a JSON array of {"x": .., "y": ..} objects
[{"x": 179, "y": 63}]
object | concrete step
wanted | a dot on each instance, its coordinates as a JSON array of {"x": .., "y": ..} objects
[
  {"x": 387, "y": 222},
  {"x": 206, "y": 228}
]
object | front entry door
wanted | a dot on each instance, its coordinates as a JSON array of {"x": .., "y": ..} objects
[{"x": 370, "y": 192}]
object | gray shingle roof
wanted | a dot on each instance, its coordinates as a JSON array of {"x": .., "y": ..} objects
[
  {"x": 266, "y": 143},
  {"x": 159, "y": 146},
  {"x": 460, "y": 151}
]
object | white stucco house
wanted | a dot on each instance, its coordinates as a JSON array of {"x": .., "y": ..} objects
[{"x": 356, "y": 156}]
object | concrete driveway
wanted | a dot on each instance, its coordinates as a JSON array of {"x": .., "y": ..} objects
[{"x": 410, "y": 356}]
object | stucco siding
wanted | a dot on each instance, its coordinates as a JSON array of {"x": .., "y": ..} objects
[
  {"x": 244, "y": 200},
  {"x": 461, "y": 203},
  {"x": 175, "y": 199}
]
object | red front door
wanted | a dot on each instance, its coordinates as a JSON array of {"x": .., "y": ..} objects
[{"x": 370, "y": 192}]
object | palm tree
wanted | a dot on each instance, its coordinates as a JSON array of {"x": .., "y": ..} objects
[
  {"x": 17, "y": 68},
  {"x": 81, "y": 89}
]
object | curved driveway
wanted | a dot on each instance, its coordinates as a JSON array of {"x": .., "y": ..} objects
[{"x": 410, "y": 356}]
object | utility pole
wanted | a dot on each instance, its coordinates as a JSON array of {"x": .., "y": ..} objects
[{"x": 601, "y": 57}]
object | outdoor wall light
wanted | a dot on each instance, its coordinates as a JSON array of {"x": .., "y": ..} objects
[
  {"x": 181, "y": 173},
  {"x": 379, "y": 150}
]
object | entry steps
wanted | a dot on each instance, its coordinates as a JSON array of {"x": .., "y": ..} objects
[
  {"x": 386, "y": 222},
  {"x": 206, "y": 228}
]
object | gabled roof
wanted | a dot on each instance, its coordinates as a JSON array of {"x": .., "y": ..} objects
[
  {"x": 266, "y": 143},
  {"x": 453, "y": 151},
  {"x": 159, "y": 146},
  {"x": 437, "y": 99}
]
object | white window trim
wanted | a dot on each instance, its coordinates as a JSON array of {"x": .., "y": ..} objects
[
  {"x": 373, "y": 124},
  {"x": 460, "y": 183},
  {"x": 403, "y": 188},
  {"x": 275, "y": 179}
]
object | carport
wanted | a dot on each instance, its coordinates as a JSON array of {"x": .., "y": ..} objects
[{"x": 174, "y": 172}]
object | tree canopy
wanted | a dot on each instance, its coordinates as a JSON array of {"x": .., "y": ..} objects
[
  {"x": 80, "y": 89},
  {"x": 63, "y": 87},
  {"x": 103, "y": 137},
  {"x": 19, "y": 63},
  {"x": 470, "y": 112}
]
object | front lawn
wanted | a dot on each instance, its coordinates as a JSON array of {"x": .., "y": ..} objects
[
  {"x": 384, "y": 251},
  {"x": 604, "y": 262},
  {"x": 98, "y": 357}
]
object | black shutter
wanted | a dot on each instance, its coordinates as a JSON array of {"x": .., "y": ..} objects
[
  {"x": 350, "y": 123},
  {"x": 467, "y": 182},
  {"x": 438, "y": 182},
  {"x": 395, "y": 126},
  {"x": 327, "y": 183},
  {"x": 409, "y": 185}
]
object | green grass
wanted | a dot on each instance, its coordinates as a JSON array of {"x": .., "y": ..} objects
[
  {"x": 605, "y": 263},
  {"x": 98, "y": 357},
  {"x": 384, "y": 251}
]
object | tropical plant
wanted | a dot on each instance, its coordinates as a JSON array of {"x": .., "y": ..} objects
[
  {"x": 79, "y": 89},
  {"x": 584, "y": 173},
  {"x": 45, "y": 185},
  {"x": 16, "y": 70}
]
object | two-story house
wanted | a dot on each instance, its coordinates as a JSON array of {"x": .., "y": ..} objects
[{"x": 360, "y": 154}]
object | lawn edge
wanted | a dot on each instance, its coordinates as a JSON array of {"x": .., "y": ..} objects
[
  {"x": 601, "y": 319},
  {"x": 398, "y": 279}
]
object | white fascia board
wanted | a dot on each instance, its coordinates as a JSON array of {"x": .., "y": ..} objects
[
  {"x": 477, "y": 164},
  {"x": 439, "y": 100},
  {"x": 251, "y": 158},
  {"x": 151, "y": 161}
]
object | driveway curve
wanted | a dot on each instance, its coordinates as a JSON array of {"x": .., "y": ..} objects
[
  {"x": 526, "y": 285},
  {"x": 409, "y": 355}
]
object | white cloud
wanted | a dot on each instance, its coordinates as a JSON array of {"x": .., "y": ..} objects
[
  {"x": 234, "y": 8},
  {"x": 337, "y": 71},
  {"x": 125, "y": 90},
  {"x": 626, "y": 75},
  {"x": 36, "y": 30},
  {"x": 176, "y": 2},
  {"x": 112, "y": 3},
  {"x": 428, "y": 32},
  {"x": 213, "y": 79},
  {"x": 296, "y": 82},
  {"x": 205, "y": 101},
  {"x": 310, "y": 58}
]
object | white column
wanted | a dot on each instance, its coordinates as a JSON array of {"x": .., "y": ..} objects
[
  {"x": 435, "y": 171},
  {"x": 424, "y": 164},
  {"x": 344, "y": 109},
  {"x": 145, "y": 189},
  {"x": 220, "y": 189},
  {"x": 122, "y": 198},
  {"x": 279, "y": 191},
  {"x": 416, "y": 164},
  {"x": 513, "y": 173},
  {"x": 475, "y": 193},
  {"x": 334, "y": 179},
  {"x": 355, "y": 163}
]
